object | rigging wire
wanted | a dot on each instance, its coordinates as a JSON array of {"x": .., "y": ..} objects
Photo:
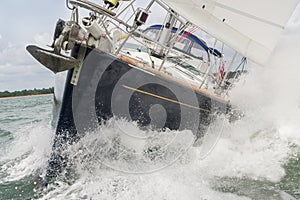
[{"x": 243, "y": 63}]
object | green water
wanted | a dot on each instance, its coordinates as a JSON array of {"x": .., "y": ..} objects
[{"x": 25, "y": 143}]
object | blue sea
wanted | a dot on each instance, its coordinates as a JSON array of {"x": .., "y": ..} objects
[{"x": 256, "y": 157}]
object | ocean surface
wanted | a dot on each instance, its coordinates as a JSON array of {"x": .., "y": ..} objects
[{"x": 256, "y": 157}]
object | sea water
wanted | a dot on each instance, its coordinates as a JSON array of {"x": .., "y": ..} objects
[{"x": 255, "y": 157}]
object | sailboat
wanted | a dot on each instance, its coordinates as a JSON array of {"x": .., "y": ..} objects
[{"x": 113, "y": 63}]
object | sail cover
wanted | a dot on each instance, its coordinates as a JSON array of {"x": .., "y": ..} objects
[{"x": 252, "y": 28}]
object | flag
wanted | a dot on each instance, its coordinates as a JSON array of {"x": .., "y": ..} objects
[{"x": 220, "y": 74}]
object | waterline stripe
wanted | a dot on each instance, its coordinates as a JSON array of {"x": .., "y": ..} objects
[{"x": 164, "y": 98}]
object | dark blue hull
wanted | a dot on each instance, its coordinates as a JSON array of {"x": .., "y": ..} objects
[{"x": 109, "y": 87}]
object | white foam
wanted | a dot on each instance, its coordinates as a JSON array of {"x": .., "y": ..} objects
[
  {"x": 255, "y": 147},
  {"x": 28, "y": 152}
]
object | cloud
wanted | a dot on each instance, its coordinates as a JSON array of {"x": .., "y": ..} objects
[
  {"x": 43, "y": 39},
  {"x": 19, "y": 70},
  {"x": 13, "y": 55},
  {"x": 3, "y": 43},
  {"x": 15, "y": 82},
  {"x": 293, "y": 27},
  {"x": 33, "y": 23},
  {"x": 289, "y": 42}
]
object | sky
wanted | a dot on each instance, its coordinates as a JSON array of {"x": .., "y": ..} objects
[
  {"x": 33, "y": 21},
  {"x": 23, "y": 23}
]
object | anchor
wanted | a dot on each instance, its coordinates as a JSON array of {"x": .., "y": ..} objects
[{"x": 65, "y": 36}]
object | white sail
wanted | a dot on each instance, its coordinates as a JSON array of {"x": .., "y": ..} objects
[{"x": 252, "y": 28}]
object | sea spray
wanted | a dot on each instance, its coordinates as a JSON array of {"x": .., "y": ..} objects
[{"x": 254, "y": 158}]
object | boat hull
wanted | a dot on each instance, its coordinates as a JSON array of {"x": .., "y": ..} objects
[{"x": 109, "y": 87}]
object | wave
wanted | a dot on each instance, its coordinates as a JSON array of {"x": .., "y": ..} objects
[{"x": 254, "y": 157}]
